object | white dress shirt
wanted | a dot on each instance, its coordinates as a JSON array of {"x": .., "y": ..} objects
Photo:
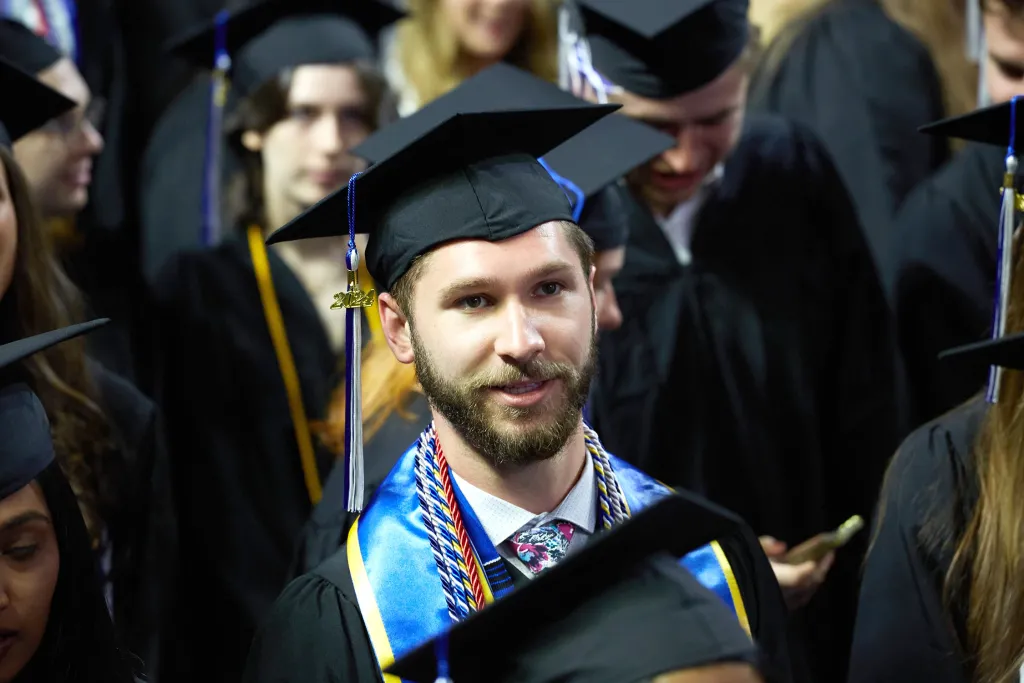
[
  {"x": 678, "y": 225},
  {"x": 501, "y": 519}
]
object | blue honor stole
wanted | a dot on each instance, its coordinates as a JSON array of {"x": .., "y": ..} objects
[{"x": 396, "y": 579}]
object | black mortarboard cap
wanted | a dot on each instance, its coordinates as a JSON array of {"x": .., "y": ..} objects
[
  {"x": 664, "y": 48},
  {"x": 20, "y": 46},
  {"x": 620, "y": 610},
  {"x": 15, "y": 351},
  {"x": 27, "y": 103},
  {"x": 26, "y": 448},
  {"x": 1005, "y": 352},
  {"x": 589, "y": 161},
  {"x": 266, "y": 37},
  {"x": 990, "y": 125},
  {"x": 468, "y": 176}
]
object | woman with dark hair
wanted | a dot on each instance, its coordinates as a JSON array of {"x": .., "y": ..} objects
[
  {"x": 54, "y": 622},
  {"x": 249, "y": 345},
  {"x": 104, "y": 430}
]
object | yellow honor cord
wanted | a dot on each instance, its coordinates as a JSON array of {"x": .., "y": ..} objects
[{"x": 285, "y": 362}]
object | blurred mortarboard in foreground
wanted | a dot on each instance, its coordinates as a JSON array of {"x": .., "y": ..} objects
[
  {"x": 620, "y": 610},
  {"x": 27, "y": 103},
  {"x": 996, "y": 125},
  {"x": 26, "y": 446},
  {"x": 584, "y": 164},
  {"x": 23, "y": 48},
  {"x": 467, "y": 176},
  {"x": 663, "y": 48}
]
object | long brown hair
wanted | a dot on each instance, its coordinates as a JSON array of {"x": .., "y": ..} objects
[
  {"x": 41, "y": 298},
  {"x": 988, "y": 562},
  {"x": 939, "y": 25},
  {"x": 428, "y": 51}
]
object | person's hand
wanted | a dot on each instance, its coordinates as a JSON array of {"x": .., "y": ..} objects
[{"x": 799, "y": 582}]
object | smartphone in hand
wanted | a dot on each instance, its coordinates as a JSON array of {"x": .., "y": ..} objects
[{"x": 821, "y": 545}]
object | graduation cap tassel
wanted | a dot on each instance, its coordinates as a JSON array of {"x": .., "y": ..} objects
[
  {"x": 575, "y": 66},
  {"x": 573, "y": 192},
  {"x": 1005, "y": 252},
  {"x": 353, "y": 300},
  {"x": 214, "y": 125}
]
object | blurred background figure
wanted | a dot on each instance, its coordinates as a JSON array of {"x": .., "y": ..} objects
[
  {"x": 443, "y": 42},
  {"x": 864, "y": 74},
  {"x": 248, "y": 346}
]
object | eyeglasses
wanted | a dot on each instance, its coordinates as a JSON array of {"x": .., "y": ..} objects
[{"x": 74, "y": 121}]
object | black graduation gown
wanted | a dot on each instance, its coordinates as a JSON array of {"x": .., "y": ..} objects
[
  {"x": 238, "y": 478},
  {"x": 864, "y": 85},
  {"x": 142, "y": 529},
  {"x": 328, "y": 526},
  {"x": 904, "y": 634},
  {"x": 941, "y": 276},
  {"x": 315, "y": 632},
  {"x": 760, "y": 375}
]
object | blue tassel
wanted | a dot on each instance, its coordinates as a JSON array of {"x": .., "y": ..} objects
[
  {"x": 1004, "y": 267},
  {"x": 572, "y": 191},
  {"x": 214, "y": 126}
]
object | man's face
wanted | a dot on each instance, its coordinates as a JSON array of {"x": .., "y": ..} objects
[
  {"x": 306, "y": 154},
  {"x": 1004, "y": 65},
  {"x": 706, "y": 124},
  {"x": 57, "y": 158},
  {"x": 504, "y": 340}
]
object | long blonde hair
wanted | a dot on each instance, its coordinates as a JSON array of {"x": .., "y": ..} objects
[
  {"x": 989, "y": 558},
  {"x": 428, "y": 51},
  {"x": 938, "y": 24}
]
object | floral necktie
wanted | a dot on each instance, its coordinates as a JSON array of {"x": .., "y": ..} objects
[{"x": 542, "y": 546}]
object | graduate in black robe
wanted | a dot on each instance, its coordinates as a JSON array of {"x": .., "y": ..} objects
[
  {"x": 863, "y": 84},
  {"x": 246, "y": 470},
  {"x": 130, "y": 496},
  {"x": 754, "y": 364},
  {"x": 491, "y": 188},
  {"x": 941, "y": 277},
  {"x": 78, "y": 642},
  {"x": 587, "y": 168},
  {"x": 642, "y": 616}
]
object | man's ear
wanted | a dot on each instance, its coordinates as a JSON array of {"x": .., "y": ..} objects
[{"x": 396, "y": 328}]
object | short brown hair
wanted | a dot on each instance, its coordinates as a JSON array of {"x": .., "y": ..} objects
[
  {"x": 1014, "y": 8},
  {"x": 402, "y": 290}
]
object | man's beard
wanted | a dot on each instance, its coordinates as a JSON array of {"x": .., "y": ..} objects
[{"x": 502, "y": 434}]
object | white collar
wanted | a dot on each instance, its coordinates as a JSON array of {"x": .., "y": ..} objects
[{"x": 500, "y": 518}]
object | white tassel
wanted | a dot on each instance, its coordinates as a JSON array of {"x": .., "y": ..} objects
[
  {"x": 354, "y": 417},
  {"x": 1006, "y": 229}
]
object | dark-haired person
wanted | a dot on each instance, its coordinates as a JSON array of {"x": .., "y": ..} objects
[
  {"x": 943, "y": 264},
  {"x": 249, "y": 345},
  {"x": 488, "y": 290},
  {"x": 755, "y": 361},
  {"x": 105, "y": 433},
  {"x": 54, "y": 621}
]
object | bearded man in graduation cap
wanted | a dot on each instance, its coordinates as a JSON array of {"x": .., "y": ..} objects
[
  {"x": 488, "y": 288},
  {"x": 755, "y": 362}
]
